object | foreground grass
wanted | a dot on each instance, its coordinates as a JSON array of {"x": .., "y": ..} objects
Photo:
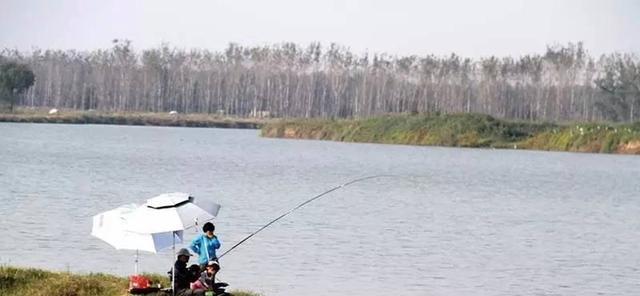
[
  {"x": 36, "y": 282},
  {"x": 129, "y": 118},
  {"x": 465, "y": 130}
]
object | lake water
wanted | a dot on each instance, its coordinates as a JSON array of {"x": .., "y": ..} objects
[{"x": 459, "y": 221}]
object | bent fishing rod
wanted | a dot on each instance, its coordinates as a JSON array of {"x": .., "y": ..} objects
[{"x": 302, "y": 205}]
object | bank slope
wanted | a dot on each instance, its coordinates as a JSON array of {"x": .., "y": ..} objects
[
  {"x": 131, "y": 118},
  {"x": 465, "y": 130},
  {"x": 36, "y": 282}
]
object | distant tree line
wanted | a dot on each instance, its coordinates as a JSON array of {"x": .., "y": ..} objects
[{"x": 288, "y": 80}]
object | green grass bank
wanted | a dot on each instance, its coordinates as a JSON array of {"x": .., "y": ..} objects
[
  {"x": 465, "y": 130},
  {"x": 130, "y": 118},
  {"x": 36, "y": 282}
]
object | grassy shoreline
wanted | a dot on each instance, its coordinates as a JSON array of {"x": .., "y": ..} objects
[
  {"x": 465, "y": 130},
  {"x": 16, "y": 281},
  {"x": 130, "y": 118},
  {"x": 453, "y": 130}
]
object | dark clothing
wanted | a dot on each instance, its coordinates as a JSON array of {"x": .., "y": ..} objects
[{"x": 183, "y": 277}]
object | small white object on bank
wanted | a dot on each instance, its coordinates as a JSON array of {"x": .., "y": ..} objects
[
  {"x": 173, "y": 112},
  {"x": 53, "y": 111}
]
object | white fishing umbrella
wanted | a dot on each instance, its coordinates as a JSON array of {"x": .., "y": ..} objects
[
  {"x": 171, "y": 212},
  {"x": 112, "y": 227}
]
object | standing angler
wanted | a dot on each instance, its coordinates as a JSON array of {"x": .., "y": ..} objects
[{"x": 205, "y": 245}]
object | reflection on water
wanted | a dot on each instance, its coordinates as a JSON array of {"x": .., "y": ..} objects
[{"x": 461, "y": 222}]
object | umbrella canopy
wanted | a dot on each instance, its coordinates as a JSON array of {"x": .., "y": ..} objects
[
  {"x": 111, "y": 227},
  {"x": 171, "y": 212}
]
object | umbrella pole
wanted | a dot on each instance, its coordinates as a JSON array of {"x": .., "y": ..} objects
[
  {"x": 173, "y": 266},
  {"x": 136, "y": 266}
]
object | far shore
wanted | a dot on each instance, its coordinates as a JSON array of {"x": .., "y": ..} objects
[
  {"x": 465, "y": 130},
  {"x": 452, "y": 130},
  {"x": 131, "y": 118}
]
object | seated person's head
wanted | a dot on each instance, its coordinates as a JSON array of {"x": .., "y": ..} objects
[
  {"x": 194, "y": 268},
  {"x": 212, "y": 267},
  {"x": 183, "y": 255}
]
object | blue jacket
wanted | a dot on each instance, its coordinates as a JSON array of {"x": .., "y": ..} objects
[{"x": 205, "y": 247}]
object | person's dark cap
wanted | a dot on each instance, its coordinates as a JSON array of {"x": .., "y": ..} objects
[{"x": 183, "y": 252}]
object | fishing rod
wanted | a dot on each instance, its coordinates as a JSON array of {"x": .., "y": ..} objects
[{"x": 302, "y": 205}]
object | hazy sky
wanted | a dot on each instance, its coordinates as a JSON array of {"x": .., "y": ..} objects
[{"x": 470, "y": 28}]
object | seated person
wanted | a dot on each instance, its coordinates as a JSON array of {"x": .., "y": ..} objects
[
  {"x": 184, "y": 276},
  {"x": 207, "y": 280}
]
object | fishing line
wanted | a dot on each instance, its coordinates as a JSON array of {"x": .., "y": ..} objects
[{"x": 303, "y": 204}]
